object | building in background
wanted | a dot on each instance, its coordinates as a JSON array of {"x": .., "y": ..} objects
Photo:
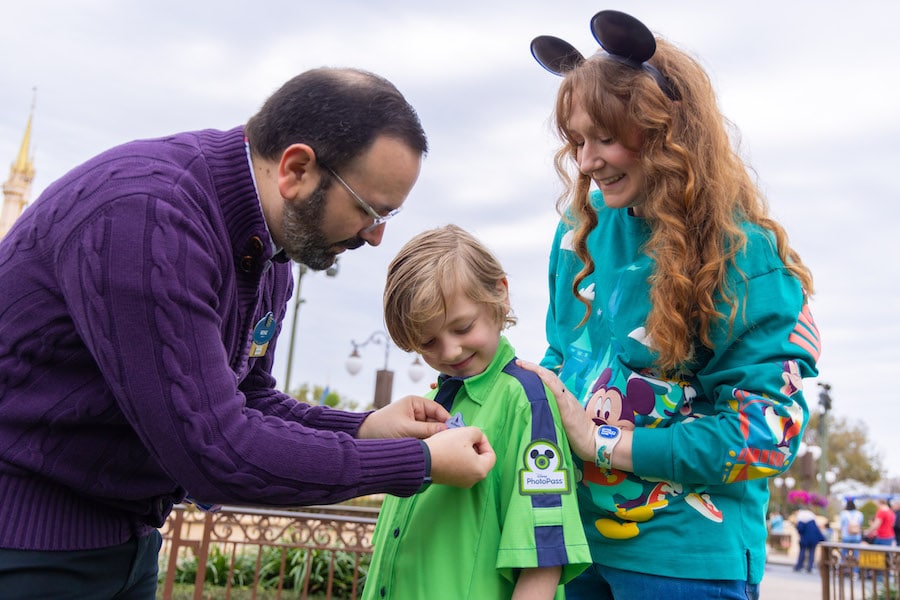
[{"x": 17, "y": 189}]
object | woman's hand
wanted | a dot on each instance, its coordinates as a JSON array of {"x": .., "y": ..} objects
[{"x": 580, "y": 428}]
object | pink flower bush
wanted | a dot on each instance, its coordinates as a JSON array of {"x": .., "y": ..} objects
[{"x": 804, "y": 497}]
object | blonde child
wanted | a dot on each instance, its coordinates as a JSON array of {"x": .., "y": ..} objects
[{"x": 517, "y": 533}]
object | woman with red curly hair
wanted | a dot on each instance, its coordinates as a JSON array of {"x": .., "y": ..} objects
[{"x": 678, "y": 326}]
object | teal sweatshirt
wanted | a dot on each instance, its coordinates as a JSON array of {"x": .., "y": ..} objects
[{"x": 704, "y": 441}]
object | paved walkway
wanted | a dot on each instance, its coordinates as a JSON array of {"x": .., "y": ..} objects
[{"x": 780, "y": 582}]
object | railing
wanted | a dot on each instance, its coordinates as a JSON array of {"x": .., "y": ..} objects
[
  {"x": 859, "y": 571},
  {"x": 323, "y": 551}
]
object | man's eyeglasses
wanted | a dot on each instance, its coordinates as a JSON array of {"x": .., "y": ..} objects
[{"x": 379, "y": 219}]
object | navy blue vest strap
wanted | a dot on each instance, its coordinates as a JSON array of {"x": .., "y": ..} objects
[
  {"x": 542, "y": 425},
  {"x": 551, "y": 544},
  {"x": 448, "y": 386}
]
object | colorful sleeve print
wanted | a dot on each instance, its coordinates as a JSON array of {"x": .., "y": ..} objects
[{"x": 771, "y": 427}]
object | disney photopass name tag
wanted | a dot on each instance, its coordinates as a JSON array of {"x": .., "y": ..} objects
[
  {"x": 543, "y": 472},
  {"x": 262, "y": 334}
]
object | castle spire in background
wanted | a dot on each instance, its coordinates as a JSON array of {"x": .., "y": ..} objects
[{"x": 17, "y": 189}]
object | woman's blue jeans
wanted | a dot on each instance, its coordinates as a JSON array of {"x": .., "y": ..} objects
[{"x": 599, "y": 582}]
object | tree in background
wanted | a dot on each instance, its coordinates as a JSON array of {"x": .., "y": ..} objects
[
  {"x": 856, "y": 466},
  {"x": 323, "y": 395},
  {"x": 850, "y": 454}
]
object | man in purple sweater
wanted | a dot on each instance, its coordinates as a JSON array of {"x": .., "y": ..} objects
[{"x": 140, "y": 299}]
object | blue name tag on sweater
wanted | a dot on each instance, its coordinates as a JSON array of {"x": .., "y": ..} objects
[{"x": 262, "y": 334}]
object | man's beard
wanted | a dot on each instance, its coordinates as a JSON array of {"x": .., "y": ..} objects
[{"x": 304, "y": 241}]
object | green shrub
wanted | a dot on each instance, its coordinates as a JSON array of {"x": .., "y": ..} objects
[
  {"x": 297, "y": 562},
  {"x": 885, "y": 594},
  {"x": 317, "y": 562},
  {"x": 218, "y": 566}
]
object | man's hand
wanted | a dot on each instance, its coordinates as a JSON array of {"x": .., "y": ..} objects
[
  {"x": 460, "y": 457},
  {"x": 411, "y": 416}
]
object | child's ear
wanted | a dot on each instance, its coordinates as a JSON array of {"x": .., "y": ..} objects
[{"x": 503, "y": 291}]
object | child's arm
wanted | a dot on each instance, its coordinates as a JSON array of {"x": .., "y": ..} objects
[{"x": 537, "y": 584}]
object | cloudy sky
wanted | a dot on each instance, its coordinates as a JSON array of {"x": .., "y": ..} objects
[{"x": 811, "y": 85}]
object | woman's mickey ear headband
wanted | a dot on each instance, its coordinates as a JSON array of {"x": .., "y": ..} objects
[{"x": 624, "y": 39}]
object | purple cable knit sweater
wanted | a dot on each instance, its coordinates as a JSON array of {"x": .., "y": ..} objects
[{"x": 128, "y": 293}]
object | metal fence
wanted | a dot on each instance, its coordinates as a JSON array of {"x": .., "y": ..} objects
[
  {"x": 859, "y": 571},
  {"x": 324, "y": 551},
  {"x": 319, "y": 552}
]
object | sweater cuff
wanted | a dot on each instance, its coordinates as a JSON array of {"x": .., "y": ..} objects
[
  {"x": 395, "y": 466},
  {"x": 652, "y": 453},
  {"x": 427, "y": 481}
]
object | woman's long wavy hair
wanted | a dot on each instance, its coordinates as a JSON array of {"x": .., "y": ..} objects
[{"x": 698, "y": 192}]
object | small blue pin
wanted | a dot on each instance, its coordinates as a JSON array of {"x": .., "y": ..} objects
[{"x": 456, "y": 421}]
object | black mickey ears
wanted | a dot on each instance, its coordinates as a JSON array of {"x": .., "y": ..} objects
[
  {"x": 624, "y": 39},
  {"x": 556, "y": 55},
  {"x": 623, "y": 36}
]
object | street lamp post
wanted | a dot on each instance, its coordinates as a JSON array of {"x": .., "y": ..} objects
[
  {"x": 789, "y": 483},
  {"x": 384, "y": 377},
  {"x": 824, "y": 408},
  {"x": 779, "y": 485},
  {"x": 808, "y": 456},
  {"x": 302, "y": 269}
]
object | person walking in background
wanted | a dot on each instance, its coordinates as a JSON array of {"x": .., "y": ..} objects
[
  {"x": 678, "y": 327},
  {"x": 895, "y": 506},
  {"x": 809, "y": 537},
  {"x": 851, "y": 522},
  {"x": 516, "y": 534},
  {"x": 776, "y": 523},
  {"x": 881, "y": 529},
  {"x": 140, "y": 298}
]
